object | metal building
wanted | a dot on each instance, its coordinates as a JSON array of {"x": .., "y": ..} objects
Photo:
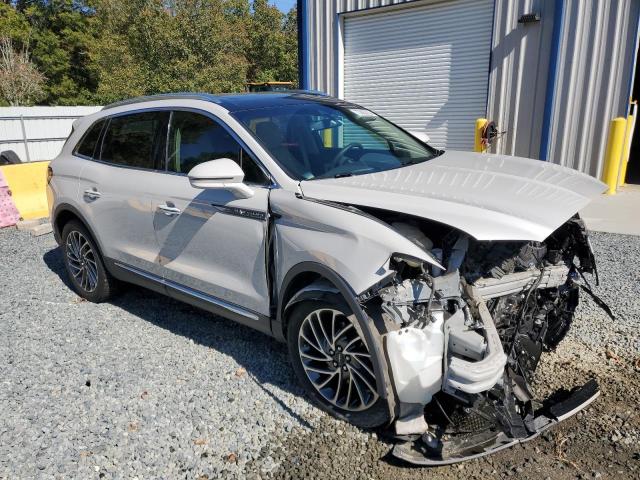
[{"x": 551, "y": 74}]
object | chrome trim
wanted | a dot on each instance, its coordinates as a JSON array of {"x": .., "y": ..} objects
[
  {"x": 169, "y": 211},
  {"x": 189, "y": 291},
  {"x": 93, "y": 194},
  {"x": 241, "y": 212}
]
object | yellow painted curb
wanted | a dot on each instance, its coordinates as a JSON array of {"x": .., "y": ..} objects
[{"x": 28, "y": 185}]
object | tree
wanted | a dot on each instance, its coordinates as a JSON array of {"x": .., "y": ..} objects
[
  {"x": 58, "y": 33},
  {"x": 98, "y": 51},
  {"x": 20, "y": 81},
  {"x": 148, "y": 47},
  {"x": 274, "y": 48}
]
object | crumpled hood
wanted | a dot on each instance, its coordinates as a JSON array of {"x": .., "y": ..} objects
[{"x": 490, "y": 197}]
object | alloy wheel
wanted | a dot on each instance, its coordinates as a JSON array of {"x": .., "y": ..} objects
[
  {"x": 82, "y": 261},
  {"x": 336, "y": 360}
]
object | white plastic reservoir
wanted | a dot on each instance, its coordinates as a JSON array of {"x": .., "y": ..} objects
[{"x": 415, "y": 355}]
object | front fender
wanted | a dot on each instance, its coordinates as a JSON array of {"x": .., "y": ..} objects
[{"x": 355, "y": 246}]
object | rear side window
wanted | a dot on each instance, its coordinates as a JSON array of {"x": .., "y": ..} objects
[
  {"x": 136, "y": 140},
  {"x": 87, "y": 146}
]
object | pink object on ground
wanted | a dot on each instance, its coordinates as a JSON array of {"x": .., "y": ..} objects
[{"x": 9, "y": 214}]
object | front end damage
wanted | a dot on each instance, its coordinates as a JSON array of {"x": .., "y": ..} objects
[{"x": 463, "y": 344}]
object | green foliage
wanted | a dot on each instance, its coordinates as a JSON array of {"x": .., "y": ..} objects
[
  {"x": 57, "y": 34},
  {"x": 273, "y": 44},
  {"x": 98, "y": 51}
]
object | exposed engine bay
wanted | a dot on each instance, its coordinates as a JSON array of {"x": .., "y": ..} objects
[{"x": 463, "y": 342}]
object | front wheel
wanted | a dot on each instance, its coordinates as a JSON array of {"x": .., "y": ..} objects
[{"x": 333, "y": 362}]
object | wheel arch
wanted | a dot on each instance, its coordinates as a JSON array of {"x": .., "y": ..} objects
[
  {"x": 62, "y": 215},
  {"x": 309, "y": 280}
]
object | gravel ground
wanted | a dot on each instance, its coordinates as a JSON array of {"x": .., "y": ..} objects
[{"x": 148, "y": 387}]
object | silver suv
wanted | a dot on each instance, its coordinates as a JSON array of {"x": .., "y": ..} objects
[{"x": 416, "y": 288}]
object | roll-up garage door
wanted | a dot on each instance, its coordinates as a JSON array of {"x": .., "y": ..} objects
[{"x": 425, "y": 68}]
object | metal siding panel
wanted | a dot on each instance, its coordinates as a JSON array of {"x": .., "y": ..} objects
[
  {"x": 322, "y": 23},
  {"x": 44, "y": 127},
  {"x": 597, "y": 46},
  {"x": 519, "y": 66},
  {"x": 425, "y": 67}
]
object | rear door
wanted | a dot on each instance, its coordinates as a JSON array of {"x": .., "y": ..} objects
[
  {"x": 117, "y": 185},
  {"x": 211, "y": 242}
]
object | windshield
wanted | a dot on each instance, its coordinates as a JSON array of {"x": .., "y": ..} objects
[{"x": 316, "y": 140}]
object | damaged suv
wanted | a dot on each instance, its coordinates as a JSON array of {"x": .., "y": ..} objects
[{"x": 416, "y": 288}]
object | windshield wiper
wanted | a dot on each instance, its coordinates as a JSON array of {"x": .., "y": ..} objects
[{"x": 342, "y": 175}]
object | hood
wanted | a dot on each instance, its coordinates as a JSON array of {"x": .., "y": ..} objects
[{"x": 490, "y": 197}]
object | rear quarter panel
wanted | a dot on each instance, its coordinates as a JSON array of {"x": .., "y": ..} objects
[{"x": 63, "y": 187}]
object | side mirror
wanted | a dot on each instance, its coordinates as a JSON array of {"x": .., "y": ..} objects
[
  {"x": 420, "y": 135},
  {"x": 221, "y": 174}
]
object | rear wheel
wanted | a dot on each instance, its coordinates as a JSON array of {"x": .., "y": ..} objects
[
  {"x": 84, "y": 264},
  {"x": 333, "y": 362}
]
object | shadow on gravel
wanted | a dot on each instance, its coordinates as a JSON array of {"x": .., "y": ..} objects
[
  {"x": 264, "y": 359},
  {"x": 53, "y": 260}
]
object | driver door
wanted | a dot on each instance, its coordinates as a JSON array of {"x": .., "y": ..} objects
[{"x": 212, "y": 244}]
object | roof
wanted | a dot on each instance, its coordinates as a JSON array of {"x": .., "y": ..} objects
[
  {"x": 269, "y": 83},
  {"x": 237, "y": 101}
]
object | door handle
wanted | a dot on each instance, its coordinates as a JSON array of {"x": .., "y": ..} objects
[
  {"x": 169, "y": 211},
  {"x": 93, "y": 194}
]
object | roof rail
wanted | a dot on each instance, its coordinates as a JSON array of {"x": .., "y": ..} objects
[
  {"x": 207, "y": 97},
  {"x": 163, "y": 96}
]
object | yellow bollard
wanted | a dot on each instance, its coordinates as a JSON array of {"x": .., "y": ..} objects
[
  {"x": 326, "y": 138},
  {"x": 626, "y": 150},
  {"x": 613, "y": 155},
  {"x": 28, "y": 185},
  {"x": 478, "y": 145}
]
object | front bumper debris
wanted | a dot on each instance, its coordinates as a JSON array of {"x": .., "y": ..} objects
[{"x": 429, "y": 451}]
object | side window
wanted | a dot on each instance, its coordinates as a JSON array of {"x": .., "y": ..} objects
[
  {"x": 195, "y": 138},
  {"x": 136, "y": 140},
  {"x": 87, "y": 145}
]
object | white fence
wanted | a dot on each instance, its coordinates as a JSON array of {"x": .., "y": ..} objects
[{"x": 38, "y": 133}]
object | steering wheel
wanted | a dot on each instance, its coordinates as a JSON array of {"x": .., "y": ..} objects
[{"x": 341, "y": 158}]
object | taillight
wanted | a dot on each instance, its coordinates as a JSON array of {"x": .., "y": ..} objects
[{"x": 49, "y": 174}]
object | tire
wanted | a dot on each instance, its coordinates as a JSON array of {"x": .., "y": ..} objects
[
  {"x": 84, "y": 264},
  {"x": 350, "y": 390},
  {"x": 9, "y": 157}
]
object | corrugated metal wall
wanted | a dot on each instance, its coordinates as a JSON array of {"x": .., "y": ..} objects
[
  {"x": 46, "y": 129},
  {"x": 597, "y": 54},
  {"x": 594, "y": 72},
  {"x": 322, "y": 37},
  {"x": 430, "y": 79},
  {"x": 518, "y": 75}
]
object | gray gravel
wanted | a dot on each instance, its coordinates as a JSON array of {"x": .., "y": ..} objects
[
  {"x": 618, "y": 260},
  {"x": 141, "y": 386},
  {"x": 148, "y": 387}
]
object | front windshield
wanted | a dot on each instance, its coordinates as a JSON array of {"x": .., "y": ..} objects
[{"x": 316, "y": 140}]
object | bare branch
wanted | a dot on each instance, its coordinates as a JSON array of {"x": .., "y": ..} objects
[{"x": 20, "y": 81}]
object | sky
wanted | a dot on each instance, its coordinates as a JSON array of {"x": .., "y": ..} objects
[{"x": 284, "y": 5}]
